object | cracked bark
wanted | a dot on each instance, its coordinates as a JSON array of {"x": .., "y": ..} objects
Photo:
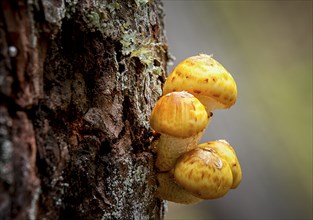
[{"x": 74, "y": 107}]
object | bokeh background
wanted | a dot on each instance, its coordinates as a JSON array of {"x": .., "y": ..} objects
[{"x": 267, "y": 47}]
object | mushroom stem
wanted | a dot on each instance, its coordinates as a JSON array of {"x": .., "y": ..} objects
[
  {"x": 170, "y": 148},
  {"x": 209, "y": 103},
  {"x": 169, "y": 190}
]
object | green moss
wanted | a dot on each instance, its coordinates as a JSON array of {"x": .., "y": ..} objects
[
  {"x": 129, "y": 42},
  {"x": 147, "y": 56},
  {"x": 113, "y": 7},
  {"x": 104, "y": 19},
  {"x": 92, "y": 20},
  {"x": 141, "y": 3}
]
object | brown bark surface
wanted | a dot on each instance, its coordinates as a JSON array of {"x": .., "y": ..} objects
[{"x": 75, "y": 102}]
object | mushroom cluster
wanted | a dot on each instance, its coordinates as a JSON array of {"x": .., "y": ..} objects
[{"x": 187, "y": 172}]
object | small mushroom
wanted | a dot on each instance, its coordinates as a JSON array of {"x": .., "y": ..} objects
[
  {"x": 225, "y": 151},
  {"x": 180, "y": 118},
  {"x": 169, "y": 190},
  {"x": 203, "y": 173},
  {"x": 206, "y": 79}
]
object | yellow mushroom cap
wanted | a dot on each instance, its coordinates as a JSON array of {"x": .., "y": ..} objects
[
  {"x": 179, "y": 114},
  {"x": 206, "y": 79},
  {"x": 203, "y": 173},
  {"x": 224, "y": 149}
]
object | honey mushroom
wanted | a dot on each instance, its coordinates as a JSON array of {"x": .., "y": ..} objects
[
  {"x": 208, "y": 171},
  {"x": 206, "y": 79},
  {"x": 181, "y": 119},
  {"x": 189, "y": 173}
]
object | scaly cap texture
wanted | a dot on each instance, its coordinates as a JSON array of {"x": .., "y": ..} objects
[
  {"x": 206, "y": 79},
  {"x": 203, "y": 173},
  {"x": 179, "y": 114}
]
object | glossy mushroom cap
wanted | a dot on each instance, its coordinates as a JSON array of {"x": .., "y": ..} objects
[
  {"x": 179, "y": 114},
  {"x": 203, "y": 173},
  {"x": 206, "y": 79},
  {"x": 225, "y": 151}
]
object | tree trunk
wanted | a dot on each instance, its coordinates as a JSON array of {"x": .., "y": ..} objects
[{"x": 78, "y": 81}]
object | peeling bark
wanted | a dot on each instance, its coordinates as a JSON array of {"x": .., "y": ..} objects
[{"x": 75, "y": 102}]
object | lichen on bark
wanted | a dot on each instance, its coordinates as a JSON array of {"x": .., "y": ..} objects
[{"x": 101, "y": 65}]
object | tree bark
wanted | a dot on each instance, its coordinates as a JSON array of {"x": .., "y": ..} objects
[{"x": 78, "y": 81}]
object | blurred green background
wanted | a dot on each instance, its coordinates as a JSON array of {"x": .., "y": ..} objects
[{"x": 267, "y": 47}]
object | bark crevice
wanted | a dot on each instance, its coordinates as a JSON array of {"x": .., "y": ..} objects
[{"x": 75, "y": 106}]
